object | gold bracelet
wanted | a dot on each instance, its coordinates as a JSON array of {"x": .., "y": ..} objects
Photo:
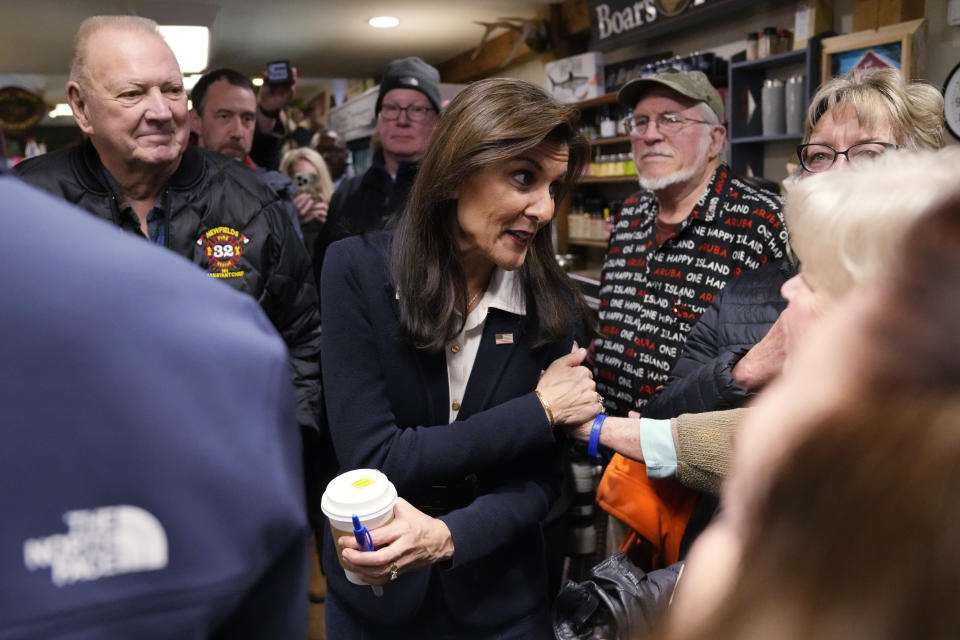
[{"x": 546, "y": 406}]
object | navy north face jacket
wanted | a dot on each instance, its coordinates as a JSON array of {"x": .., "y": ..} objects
[{"x": 151, "y": 460}]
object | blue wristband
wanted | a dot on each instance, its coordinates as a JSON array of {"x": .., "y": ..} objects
[{"x": 595, "y": 435}]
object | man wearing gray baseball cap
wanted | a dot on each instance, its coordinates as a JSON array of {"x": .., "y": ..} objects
[{"x": 672, "y": 249}]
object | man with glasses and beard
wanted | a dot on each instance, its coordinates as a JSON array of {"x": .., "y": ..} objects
[{"x": 673, "y": 247}]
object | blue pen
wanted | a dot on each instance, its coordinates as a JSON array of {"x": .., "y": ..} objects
[{"x": 365, "y": 542}]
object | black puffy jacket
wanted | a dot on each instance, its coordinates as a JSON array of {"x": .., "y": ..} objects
[
  {"x": 222, "y": 217},
  {"x": 364, "y": 203},
  {"x": 739, "y": 317}
]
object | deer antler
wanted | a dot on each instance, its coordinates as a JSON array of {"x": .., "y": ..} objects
[{"x": 533, "y": 33}]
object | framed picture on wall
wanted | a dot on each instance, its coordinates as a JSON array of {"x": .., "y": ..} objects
[
  {"x": 951, "y": 102},
  {"x": 896, "y": 45}
]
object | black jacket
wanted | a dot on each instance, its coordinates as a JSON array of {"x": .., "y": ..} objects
[
  {"x": 363, "y": 203},
  {"x": 388, "y": 406},
  {"x": 619, "y": 600},
  {"x": 222, "y": 217},
  {"x": 743, "y": 312}
]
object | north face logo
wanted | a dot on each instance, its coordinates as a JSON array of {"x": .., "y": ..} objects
[{"x": 101, "y": 542}]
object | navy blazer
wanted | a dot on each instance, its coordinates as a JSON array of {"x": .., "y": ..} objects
[{"x": 388, "y": 409}]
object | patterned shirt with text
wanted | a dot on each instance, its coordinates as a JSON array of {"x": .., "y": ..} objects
[{"x": 651, "y": 296}]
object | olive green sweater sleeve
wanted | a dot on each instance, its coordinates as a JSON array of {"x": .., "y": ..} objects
[{"x": 704, "y": 442}]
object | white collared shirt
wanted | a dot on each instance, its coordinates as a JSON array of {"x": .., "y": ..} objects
[{"x": 504, "y": 292}]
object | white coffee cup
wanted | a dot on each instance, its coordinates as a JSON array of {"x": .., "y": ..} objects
[{"x": 366, "y": 493}]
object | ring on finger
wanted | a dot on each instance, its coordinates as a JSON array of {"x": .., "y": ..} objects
[{"x": 393, "y": 571}]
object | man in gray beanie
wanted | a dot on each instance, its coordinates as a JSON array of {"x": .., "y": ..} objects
[{"x": 407, "y": 108}]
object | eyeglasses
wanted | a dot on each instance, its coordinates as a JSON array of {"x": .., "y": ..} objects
[
  {"x": 415, "y": 112},
  {"x": 667, "y": 124},
  {"x": 818, "y": 157}
]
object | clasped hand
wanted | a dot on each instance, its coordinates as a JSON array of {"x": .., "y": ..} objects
[{"x": 569, "y": 388}]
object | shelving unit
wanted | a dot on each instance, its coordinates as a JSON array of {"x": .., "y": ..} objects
[
  {"x": 589, "y": 250},
  {"x": 748, "y": 145},
  {"x": 601, "y": 142},
  {"x": 583, "y": 242},
  {"x": 607, "y": 179}
]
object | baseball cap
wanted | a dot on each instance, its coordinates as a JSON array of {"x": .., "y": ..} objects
[
  {"x": 692, "y": 84},
  {"x": 411, "y": 73}
]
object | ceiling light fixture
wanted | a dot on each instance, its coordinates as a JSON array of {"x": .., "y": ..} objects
[
  {"x": 257, "y": 82},
  {"x": 62, "y": 109},
  {"x": 384, "y": 22},
  {"x": 191, "y": 46}
]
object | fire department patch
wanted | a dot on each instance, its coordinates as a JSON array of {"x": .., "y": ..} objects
[{"x": 223, "y": 247}]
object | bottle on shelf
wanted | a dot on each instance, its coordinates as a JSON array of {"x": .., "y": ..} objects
[
  {"x": 771, "y": 107},
  {"x": 753, "y": 43},
  {"x": 600, "y": 225},
  {"x": 574, "y": 219},
  {"x": 794, "y": 104},
  {"x": 767, "y": 43},
  {"x": 608, "y": 219},
  {"x": 784, "y": 40},
  {"x": 608, "y": 126}
]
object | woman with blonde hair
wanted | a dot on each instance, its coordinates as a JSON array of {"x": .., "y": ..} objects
[
  {"x": 312, "y": 179},
  {"x": 912, "y": 112},
  {"x": 840, "y": 511}
]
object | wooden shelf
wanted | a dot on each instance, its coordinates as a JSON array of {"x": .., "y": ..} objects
[
  {"x": 599, "y": 101},
  {"x": 775, "y": 60},
  {"x": 606, "y": 179},
  {"x": 599, "y": 142},
  {"x": 587, "y": 274},
  {"x": 587, "y": 242},
  {"x": 783, "y": 137}
]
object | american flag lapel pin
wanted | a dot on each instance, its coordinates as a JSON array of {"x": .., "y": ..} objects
[{"x": 504, "y": 338}]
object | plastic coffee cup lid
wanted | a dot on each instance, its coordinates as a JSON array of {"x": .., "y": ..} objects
[{"x": 365, "y": 492}]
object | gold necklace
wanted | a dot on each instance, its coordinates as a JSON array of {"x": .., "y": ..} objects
[{"x": 474, "y": 298}]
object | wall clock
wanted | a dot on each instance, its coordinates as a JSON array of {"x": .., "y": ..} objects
[{"x": 951, "y": 101}]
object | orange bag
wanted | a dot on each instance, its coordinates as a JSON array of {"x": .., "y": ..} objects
[{"x": 657, "y": 510}]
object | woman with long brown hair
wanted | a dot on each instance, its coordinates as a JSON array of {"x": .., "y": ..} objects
[{"x": 435, "y": 337}]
